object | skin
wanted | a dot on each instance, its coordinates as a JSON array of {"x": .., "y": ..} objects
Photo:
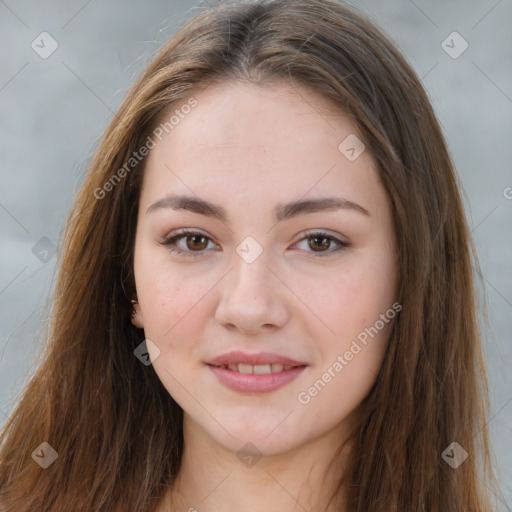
[{"x": 248, "y": 148}]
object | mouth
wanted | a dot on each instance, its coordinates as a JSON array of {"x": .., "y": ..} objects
[
  {"x": 255, "y": 373},
  {"x": 262, "y": 362},
  {"x": 257, "y": 369}
]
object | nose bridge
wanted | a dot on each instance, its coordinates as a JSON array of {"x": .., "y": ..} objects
[
  {"x": 251, "y": 297},
  {"x": 250, "y": 276}
]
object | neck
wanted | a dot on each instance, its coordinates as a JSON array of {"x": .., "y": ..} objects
[{"x": 213, "y": 478}]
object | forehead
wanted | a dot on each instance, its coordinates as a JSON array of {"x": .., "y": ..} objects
[
  {"x": 244, "y": 115},
  {"x": 262, "y": 142}
]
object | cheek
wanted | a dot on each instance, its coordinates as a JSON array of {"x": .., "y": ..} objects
[
  {"x": 174, "y": 317},
  {"x": 169, "y": 295},
  {"x": 351, "y": 300},
  {"x": 352, "y": 305},
  {"x": 172, "y": 305}
]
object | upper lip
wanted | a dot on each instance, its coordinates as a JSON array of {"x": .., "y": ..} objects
[{"x": 237, "y": 357}]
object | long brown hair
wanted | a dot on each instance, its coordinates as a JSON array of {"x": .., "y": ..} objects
[{"x": 117, "y": 431}]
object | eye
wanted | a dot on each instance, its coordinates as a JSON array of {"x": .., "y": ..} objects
[
  {"x": 319, "y": 242},
  {"x": 196, "y": 242}
]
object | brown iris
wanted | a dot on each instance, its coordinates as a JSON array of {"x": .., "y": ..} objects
[
  {"x": 324, "y": 246},
  {"x": 197, "y": 245}
]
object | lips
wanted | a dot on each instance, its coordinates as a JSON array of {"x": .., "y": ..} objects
[{"x": 255, "y": 373}]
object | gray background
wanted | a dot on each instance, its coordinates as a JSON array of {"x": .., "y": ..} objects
[{"x": 53, "y": 111}]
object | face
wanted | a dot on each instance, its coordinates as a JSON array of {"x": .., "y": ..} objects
[{"x": 237, "y": 281}]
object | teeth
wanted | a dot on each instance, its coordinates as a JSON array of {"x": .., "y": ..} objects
[
  {"x": 257, "y": 369},
  {"x": 245, "y": 368},
  {"x": 261, "y": 369}
]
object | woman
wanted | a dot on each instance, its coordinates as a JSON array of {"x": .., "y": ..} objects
[{"x": 265, "y": 298}]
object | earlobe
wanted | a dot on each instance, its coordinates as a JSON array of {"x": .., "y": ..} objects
[{"x": 136, "y": 315}]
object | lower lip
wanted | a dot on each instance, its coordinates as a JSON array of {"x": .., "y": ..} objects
[{"x": 255, "y": 383}]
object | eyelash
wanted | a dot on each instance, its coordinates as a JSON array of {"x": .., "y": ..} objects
[{"x": 170, "y": 243}]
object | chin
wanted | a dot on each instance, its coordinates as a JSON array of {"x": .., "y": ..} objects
[{"x": 263, "y": 440}]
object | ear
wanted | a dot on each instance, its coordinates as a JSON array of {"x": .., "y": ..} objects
[{"x": 136, "y": 316}]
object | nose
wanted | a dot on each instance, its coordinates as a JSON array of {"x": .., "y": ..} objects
[{"x": 253, "y": 299}]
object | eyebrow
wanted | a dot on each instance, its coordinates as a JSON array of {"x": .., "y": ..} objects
[{"x": 281, "y": 211}]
